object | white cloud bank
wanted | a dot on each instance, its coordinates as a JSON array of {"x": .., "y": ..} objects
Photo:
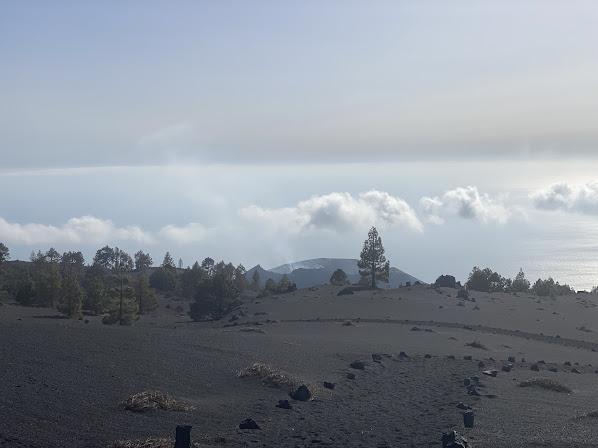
[
  {"x": 465, "y": 202},
  {"x": 83, "y": 230},
  {"x": 338, "y": 212},
  {"x": 571, "y": 198}
]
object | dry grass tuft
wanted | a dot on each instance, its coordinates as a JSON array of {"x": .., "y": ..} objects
[
  {"x": 252, "y": 330},
  {"x": 546, "y": 383},
  {"x": 476, "y": 344},
  {"x": 270, "y": 376},
  {"x": 150, "y": 400},
  {"x": 147, "y": 443}
]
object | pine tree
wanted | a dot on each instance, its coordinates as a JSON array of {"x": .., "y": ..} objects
[
  {"x": 373, "y": 266},
  {"x": 70, "y": 300}
]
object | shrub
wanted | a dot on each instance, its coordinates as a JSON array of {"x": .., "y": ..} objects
[
  {"x": 545, "y": 383},
  {"x": 338, "y": 278},
  {"x": 151, "y": 400}
]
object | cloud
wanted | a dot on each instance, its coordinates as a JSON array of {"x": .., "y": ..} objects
[
  {"x": 173, "y": 140},
  {"x": 83, "y": 230},
  {"x": 572, "y": 198},
  {"x": 465, "y": 202},
  {"x": 191, "y": 233},
  {"x": 339, "y": 212}
]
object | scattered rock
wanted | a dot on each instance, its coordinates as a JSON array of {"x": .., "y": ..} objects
[
  {"x": 427, "y": 355},
  {"x": 328, "y": 385},
  {"x": 403, "y": 355},
  {"x": 541, "y": 362},
  {"x": 350, "y": 376},
  {"x": 511, "y": 359},
  {"x": 471, "y": 390},
  {"x": 553, "y": 369},
  {"x": 86, "y": 321},
  {"x": 481, "y": 365},
  {"x": 346, "y": 291},
  {"x": 347, "y": 323},
  {"x": 359, "y": 365},
  {"x": 575, "y": 370},
  {"x": 506, "y": 368},
  {"x": 522, "y": 359},
  {"x": 468, "y": 419},
  {"x": 467, "y": 358},
  {"x": 453, "y": 440},
  {"x": 491, "y": 396},
  {"x": 248, "y": 424},
  {"x": 463, "y": 294},
  {"x": 475, "y": 379},
  {"x": 376, "y": 357},
  {"x": 284, "y": 404},
  {"x": 416, "y": 329},
  {"x": 492, "y": 373},
  {"x": 301, "y": 394},
  {"x": 476, "y": 308},
  {"x": 463, "y": 406},
  {"x": 451, "y": 356},
  {"x": 445, "y": 281},
  {"x": 535, "y": 367},
  {"x": 568, "y": 363},
  {"x": 466, "y": 381}
]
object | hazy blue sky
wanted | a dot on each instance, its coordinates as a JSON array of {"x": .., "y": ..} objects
[{"x": 269, "y": 132}]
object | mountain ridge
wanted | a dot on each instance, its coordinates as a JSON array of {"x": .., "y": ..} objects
[{"x": 317, "y": 272}]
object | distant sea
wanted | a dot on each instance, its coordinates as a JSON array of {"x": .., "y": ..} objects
[{"x": 572, "y": 262}]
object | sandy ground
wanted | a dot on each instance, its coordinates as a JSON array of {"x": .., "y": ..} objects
[{"x": 63, "y": 382}]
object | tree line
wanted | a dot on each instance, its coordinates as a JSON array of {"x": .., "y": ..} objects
[
  {"x": 486, "y": 280},
  {"x": 121, "y": 288}
]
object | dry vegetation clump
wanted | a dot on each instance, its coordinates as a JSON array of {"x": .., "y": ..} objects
[
  {"x": 546, "y": 383},
  {"x": 147, "y": 443},
  {"x": 271, "y": 376},
  {"x": 476, "y": 344},
  {"x": 252, "y": 330},
  {"x": 150, "y": 400}
]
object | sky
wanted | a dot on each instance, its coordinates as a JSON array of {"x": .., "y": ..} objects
[{"x": 270, "y": 132}]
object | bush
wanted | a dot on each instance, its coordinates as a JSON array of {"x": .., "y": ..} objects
[
  {"x": 214, "y": 298},
  {"x": 549, "y": 287},
  {"x": 338, "y": 278},
  {"x": 486, "y": 280}
]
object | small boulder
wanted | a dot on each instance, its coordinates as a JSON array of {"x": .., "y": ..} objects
[
  {"x": 248, "y": 424},
  {"x": 467, "y": 358},
  {"x": 358, "y": 365},
  {"x": 568, "y": 363},
  {"x": 468, "y": 419},
  {"x": 506, "y": 368},
  {"x": 535, "y": 367},
  {"x": 346, "y": 291},
  {"x": 445, "y": 281},
  {"x": 553, "y": 369},
  {"x": 451, "y": 357},
  {"x": 463, "y": 294},
  {"x": 463, "y": 406},
  {"x": 471, "y": 390},
  {"x": 347, "y": 323},
  {"x": 350, "y": 376},
  {"x": 376, "y": 357},
  {"x": 301, "y": 394},
  {"x": 511, "y": 359},
  {"x": 427, "y": 356},
  {"x": 403, "y": 355},
  {"x": 416, "y": 329},
  {"x": 466, "y": 382},
  {"x": 284, "y": 404},
  {"x": 575, "y": 370},
  {"x": 481, "y": 365},
  {"x": 453, "y": 440},
  {"x": 328, "y": 385},
  {"x": 492, "y": 373}
]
